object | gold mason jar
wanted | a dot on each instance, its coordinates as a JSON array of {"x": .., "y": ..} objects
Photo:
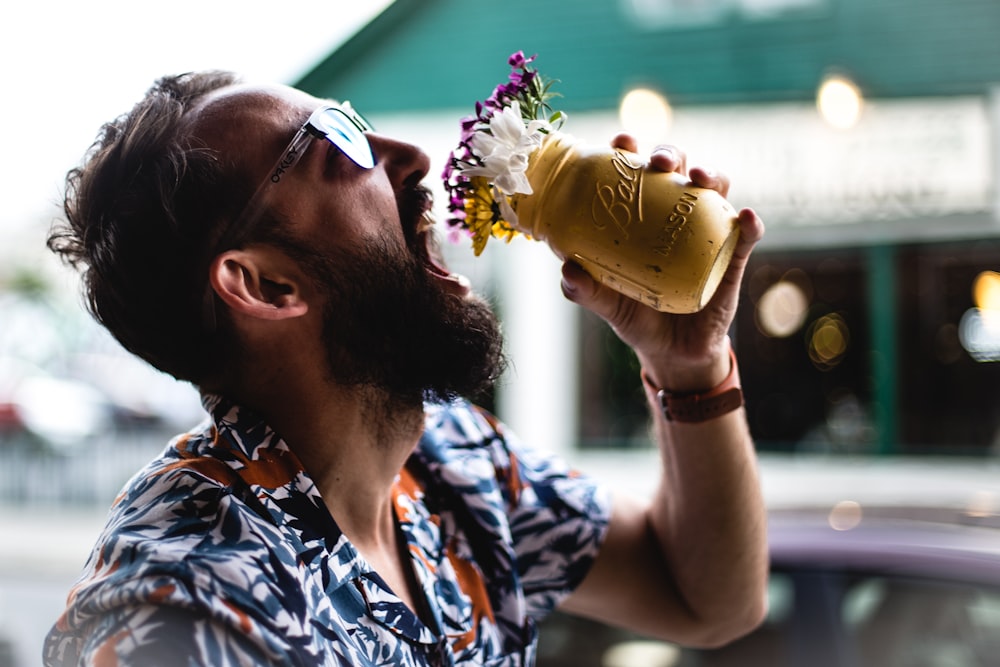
[{"x": 651, "y": 235}]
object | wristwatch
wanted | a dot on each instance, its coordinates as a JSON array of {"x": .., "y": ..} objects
[{"x": 693, "y": 408}]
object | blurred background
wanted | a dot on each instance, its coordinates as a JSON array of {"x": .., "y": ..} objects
[{"x": 866, "y": 133}]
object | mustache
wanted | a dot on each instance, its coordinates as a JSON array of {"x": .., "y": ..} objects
[{"x": 416, "y": 200}]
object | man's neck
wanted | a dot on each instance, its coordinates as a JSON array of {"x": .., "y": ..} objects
[{"x": 352, "y": 441}]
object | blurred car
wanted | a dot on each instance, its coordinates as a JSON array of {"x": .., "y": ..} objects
[
  {"x": 47, "y": 412},
  {"x": 908, "y": 584},
  {"x": 65, "y": 381}
]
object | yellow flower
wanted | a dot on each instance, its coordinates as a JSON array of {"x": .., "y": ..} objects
[
  {"x": 482, "y": 215},
  {"x": 480, "y": 212},
  {"x": 501, "y": 230}
]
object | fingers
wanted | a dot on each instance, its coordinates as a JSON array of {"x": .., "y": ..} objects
[
  {"x": 751, "y": 227},
  {"x": 751, "y": 232},
  {"x": 722, "y": 307},
  {"x": 707, "y": 178},
  {"x": 668, "y": 158},
  {"x": 577, "y": 284},
  {"x": 579, "y": 287},
  {"x": 671, "y": 158},
  {"x": 625, "y": 142},
  {"x": 663, "y": 158}
]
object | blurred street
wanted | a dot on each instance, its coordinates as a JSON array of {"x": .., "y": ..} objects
[{"x": 42, "y": 551}]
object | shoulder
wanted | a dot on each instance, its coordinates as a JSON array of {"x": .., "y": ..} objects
[
  {"x": 473, "y": 452},
  {"x": 172, "y": 521},
  {"x": 466, "y": 446},
  {"x": 178, "y": 540},
  {"x": 461, "y": 422},
  {"x": 184, "y": 484},
  {"x": 459, "y": 432}
]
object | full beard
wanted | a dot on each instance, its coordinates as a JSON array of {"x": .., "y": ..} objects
[{"x": 389, "y": 326}]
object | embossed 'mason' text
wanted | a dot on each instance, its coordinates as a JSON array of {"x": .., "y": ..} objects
[
  {"x": 618, "y": 203},
  {"x": 677, "y": 220}
]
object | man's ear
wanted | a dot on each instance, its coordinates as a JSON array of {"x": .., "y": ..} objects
[{"x": 258, "y": 282}]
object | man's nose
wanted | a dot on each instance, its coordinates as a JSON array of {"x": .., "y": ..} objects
[{"x": 405, "y": 164}]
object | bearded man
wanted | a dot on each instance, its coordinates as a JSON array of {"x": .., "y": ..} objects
[{"x": 344, "y": 504}]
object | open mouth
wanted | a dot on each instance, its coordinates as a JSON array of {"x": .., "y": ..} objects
[{"x": 426, "y": 245}]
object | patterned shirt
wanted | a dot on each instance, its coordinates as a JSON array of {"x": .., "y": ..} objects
[{"x": 221, "y": 552}]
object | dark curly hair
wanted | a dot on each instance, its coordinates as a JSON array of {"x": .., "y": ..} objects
[{"x": 142, "y": 212}]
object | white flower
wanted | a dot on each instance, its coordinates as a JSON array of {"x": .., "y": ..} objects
[
  {"x": 506, "y": 210},
  {"x": 505, "y": 150}
]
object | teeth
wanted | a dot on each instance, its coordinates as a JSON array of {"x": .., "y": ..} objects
[{"x": 425, "y": 223}]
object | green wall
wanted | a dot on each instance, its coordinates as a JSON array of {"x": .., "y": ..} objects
[{"x": 430, "y": 54}]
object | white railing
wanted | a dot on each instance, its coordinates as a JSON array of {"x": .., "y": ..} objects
[{"x": 88, "y": 473}]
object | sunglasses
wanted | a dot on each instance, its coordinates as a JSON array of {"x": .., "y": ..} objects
[{"x": 339, "y": 124}]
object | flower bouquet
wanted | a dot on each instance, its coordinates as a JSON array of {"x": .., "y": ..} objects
[
  {"x": 488, "y": 167},
  {"x": 651, "y": 235}
]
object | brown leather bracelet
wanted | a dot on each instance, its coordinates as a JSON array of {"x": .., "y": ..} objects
[{"x": 700, "y": 407}]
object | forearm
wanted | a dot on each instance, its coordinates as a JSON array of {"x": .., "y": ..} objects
[
  {"x": 690, "y": 564},
  {"x": 707, "y": 515}
]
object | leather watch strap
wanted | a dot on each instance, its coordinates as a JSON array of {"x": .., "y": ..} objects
[{"x": 699, "y": 407}]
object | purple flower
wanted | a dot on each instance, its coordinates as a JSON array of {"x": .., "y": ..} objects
[{"x": 518, "y": 61}]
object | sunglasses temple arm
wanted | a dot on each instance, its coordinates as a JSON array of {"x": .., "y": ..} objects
[{"x": 289, "y": 158}]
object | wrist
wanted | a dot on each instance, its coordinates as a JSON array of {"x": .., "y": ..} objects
[
  {"x": 698, "y": 406},
  {"x": 684, "y": 375}
]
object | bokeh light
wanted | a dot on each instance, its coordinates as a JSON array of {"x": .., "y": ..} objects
[
  {"x": 986, "y": 291},
  {"x": 845, "y": 515},
  {"x": 839, "y": 102},
  {"x": 647, "y": 115},
  {"x": 781, "y": 309},
  {"x": 979, "y": 328},
  {"x": 982, "y": 504},
  {"x": 828, "y": 339},
  {"x": 641, "y": 652}
]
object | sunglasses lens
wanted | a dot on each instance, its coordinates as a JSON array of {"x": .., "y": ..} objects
[{"x": 344, "y": 134}]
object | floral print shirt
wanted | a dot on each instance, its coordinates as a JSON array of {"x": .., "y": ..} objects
[{"x": 222, "y": 552}]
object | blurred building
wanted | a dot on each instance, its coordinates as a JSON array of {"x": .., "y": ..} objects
[{"x": 865, "y": 132}]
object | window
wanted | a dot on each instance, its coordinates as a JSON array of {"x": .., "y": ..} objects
[{"x": 682, "y": 14}]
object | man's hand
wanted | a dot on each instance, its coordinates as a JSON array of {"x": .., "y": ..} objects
[
  {"x": 690, "y": 563},
  {"x": 679, "y": 352}
]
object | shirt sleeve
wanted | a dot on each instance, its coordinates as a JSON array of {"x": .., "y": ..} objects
[
  {"x": 558, "y": 520},
  {"x": 172, "y": 587},
  {"x": 154, "y": 635},
  {"x": 539, "y": 523}
]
